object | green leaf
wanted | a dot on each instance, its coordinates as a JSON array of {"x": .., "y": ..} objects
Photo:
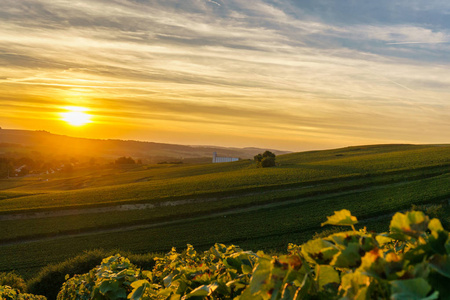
[
  {"x": 319, "y": 251},
  {"x": 382, "y": 239},
  {"x": 435, "y": 225},
  {"x": 421, "y": 270},
  {"x": 344, "y": 237},
  {"x": 247, "y": 295},
  {"x": 165, "y": 292},
  {"x": 203, "y": 290},
  {"x": 347, "y": 258},
  {"x": 341, "y": 218},
  {"x": 108, "y": 286},
  {"x": 246, "y": 269},
  {"x": 412, "y": 289},
  {"x": 326, "y": 275},
  {"x": 441, "y": 264},
  {"x": 168, "y": 280},
  {"x": 439, "y": 283},
  {"x": 175, "y": 297},
  {"x": 139, "y": 289},
  {"x": 362, "y": 293},
  {"x": 413, "y": 223},
  {"x": 232, "y": 263},
  {"x": 437, "y": 241},
  {"x": 260, "y": 275},
  {"x": 119, "y": 294},
  {"x": 304, "y": 289},
  {"x": 353, "y": 284}
]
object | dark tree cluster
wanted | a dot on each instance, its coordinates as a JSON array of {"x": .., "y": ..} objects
[
  {"x": 6, "y": 167},
  {"x": 125, "y": 161},
  {"x": 17, "y": 167},
  {"x": 265, "y": 160}
]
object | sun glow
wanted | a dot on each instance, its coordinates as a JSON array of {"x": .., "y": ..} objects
[{"x": 76, "y": 116}]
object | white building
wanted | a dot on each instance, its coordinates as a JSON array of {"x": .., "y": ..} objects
[{"x": 219, "y": 159}]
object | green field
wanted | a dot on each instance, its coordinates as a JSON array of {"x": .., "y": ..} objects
[{"x": 49, "y": 218}]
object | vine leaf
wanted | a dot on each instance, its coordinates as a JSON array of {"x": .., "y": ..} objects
[
  {"x": 326, "y": 275},
  {"x": 139, "y": 288},
  {"x": 347, "y": 258},
  {"x": 319, "y": 251},
  {"x": 202, "y": 291},
  {"x": 441, "y": 264},
  {"x": 413, "y": 289},
  {"x": 341, "y": 218},
  {"x": 413, "y": 224}
]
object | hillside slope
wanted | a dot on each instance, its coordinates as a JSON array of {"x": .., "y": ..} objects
[
  {"x": 54, "y": 144},
  {"x": 155, "y": 207}
]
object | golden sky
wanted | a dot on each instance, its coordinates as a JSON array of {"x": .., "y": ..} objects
[{"x": 276, "y": 74}]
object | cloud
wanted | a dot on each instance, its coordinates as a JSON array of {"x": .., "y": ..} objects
[
  {"x": 234, "y": 64},
  {"x": 405, "y": 43},
  {"x": 214, "y": 2}
]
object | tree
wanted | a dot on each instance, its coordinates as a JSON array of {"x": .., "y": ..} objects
[
  {"x": 125, "y": 161},
  {"x": 267, "y": 159},
  {"x": 6, "y": 168}
]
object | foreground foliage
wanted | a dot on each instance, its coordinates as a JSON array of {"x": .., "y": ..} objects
[
  {"x": 410, "y": 262},
  {"x": 49, "y": 280},
  {"x": 13, "y": 280},
  {"x": 9, "y": 293}
]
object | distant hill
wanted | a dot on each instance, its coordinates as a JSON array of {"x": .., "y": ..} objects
[{"x": 46, "y": 142}]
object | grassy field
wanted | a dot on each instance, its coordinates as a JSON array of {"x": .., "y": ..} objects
[{"x": 203, "y": 204}]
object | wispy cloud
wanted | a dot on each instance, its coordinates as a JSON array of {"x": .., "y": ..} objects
[
  {"x": 405, "y": 43},
  {"x": 236, "y": 65},
  {"x": 214, "y": 2}
]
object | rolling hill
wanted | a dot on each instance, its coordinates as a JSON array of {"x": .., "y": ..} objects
[
  {"x": 58, "y": 145},
  {"x": 150, "y": 208}
]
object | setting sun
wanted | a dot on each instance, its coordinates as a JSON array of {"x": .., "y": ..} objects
[{"x": 76, "y": 116}]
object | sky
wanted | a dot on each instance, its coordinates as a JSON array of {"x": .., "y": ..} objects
[{"x": 289, "y": 75}]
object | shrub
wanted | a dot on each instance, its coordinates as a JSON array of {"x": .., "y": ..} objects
[
  {"x": 125, "y": 161},
  {"x": 49, "y": 280},
  {"x": 9, "y": 293},
  {"x": 112, "y": 279},
  {"x": 173, "y": 275},
  {"x": 13, "y": 280}
]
